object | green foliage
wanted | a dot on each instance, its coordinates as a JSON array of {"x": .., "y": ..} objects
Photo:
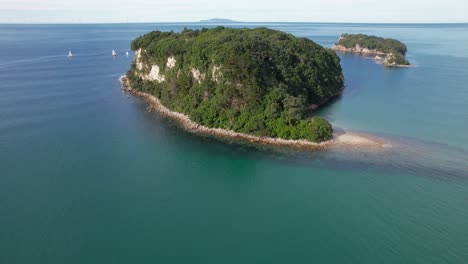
[
  {"x": 373, "y": 42},
  {"x": 258, "y": 81}
]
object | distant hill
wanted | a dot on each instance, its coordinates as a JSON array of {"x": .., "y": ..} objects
[{"x": 217, "y": 20}]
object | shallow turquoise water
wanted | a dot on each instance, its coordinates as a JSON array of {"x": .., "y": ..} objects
[{"x": 88, "y": 176}]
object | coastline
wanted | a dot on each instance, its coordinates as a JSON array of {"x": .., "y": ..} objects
[
  {"x": 343, "y": 139},
  {"x": 381, "y": 61},
  {"x": 368, "y": 52},
  {"x": 360, "y": 50}
]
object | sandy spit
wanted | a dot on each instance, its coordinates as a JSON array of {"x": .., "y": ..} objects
[{"x": 342, "y": 139}]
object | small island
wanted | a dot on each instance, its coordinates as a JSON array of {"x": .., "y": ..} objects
[
  {"x": 390, "y": 52},
  {"x": 218, "y": 20},
  {"x": 258, "y": 85}
]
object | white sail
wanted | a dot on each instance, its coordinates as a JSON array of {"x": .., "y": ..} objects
[
  {"x": 113, "y": 53},
  {"x": 126, "y": 53},
  {"x": 70, "y": 54}
]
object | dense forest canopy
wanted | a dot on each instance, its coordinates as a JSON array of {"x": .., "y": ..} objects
[
  {"x": 385, "y": 45},
  {"x": 257, "y": 81}
]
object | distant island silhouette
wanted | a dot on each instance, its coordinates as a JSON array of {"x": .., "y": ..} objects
[{"x": 217, "y": 20}]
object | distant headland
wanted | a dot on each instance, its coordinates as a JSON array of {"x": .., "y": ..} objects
[
  {"x": 218, "y": 20},
  {"x": 390, "y": 52}
]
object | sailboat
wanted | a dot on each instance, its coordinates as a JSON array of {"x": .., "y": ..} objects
[
  {"x": 126, "y": 53},
  {"x": 113, "y": 53},
  {"x": 70, "y": 54}
]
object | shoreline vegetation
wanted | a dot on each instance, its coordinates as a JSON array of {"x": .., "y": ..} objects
[
  {"x": 342, "y": 139},
  {"x": 389, "y": 52}
]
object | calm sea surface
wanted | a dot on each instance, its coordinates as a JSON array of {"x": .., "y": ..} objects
[{"x": 87, "y": 175}]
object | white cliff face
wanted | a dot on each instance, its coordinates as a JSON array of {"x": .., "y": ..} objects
[
  {"x": 171, "y": 61},
  {"x": 154, "y": 75},
  {"x": 139, "y": 66},
  {"x": 197, "y": 75},
  {"x": 138, "y": 62},
  {"x": 216, "y": 73},
  {"x": 360, "y": 49},
  {"x": 357, "y": 49}
]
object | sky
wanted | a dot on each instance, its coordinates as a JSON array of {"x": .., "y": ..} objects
[{"x": 122, "y": 11}]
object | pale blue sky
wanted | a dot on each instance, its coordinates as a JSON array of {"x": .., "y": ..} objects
[{"x": 107, "y": 11}]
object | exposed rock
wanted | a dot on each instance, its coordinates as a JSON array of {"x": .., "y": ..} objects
[
  {"x": 138, "y": 54},
  {"x": 154, "y": 75},
  {"x": 197, "y": 75},
  {"x": 216, "y": 74},
  {"x": 171, "y": 61},
  {"x": 138, "y": 62},
  {"x": 357, "y": 49}
]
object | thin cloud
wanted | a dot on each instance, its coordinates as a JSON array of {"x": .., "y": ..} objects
[{"x": 56, "y": 11}]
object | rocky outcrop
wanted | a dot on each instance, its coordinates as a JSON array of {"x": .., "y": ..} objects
[
  {"x": 383, "y": 54},
  {"x": 357, "y": 49},
  {"x": 381, "y": 57},
  {"x": 390, "y": 59},
  {"x": 197, "y": 75},
  {"x": 155, "y": 72},
  {"x": 216, "y": 73},
  {"x": 138, "y": 62},
  {"x": 154, "y": 75},
  {"x": 171, "y": 61}
]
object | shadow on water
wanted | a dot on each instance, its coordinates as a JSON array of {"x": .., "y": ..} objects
[{"x": 326, "y": 105}]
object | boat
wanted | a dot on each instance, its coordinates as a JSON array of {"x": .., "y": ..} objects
[
  {"x": 70, "y": 54},
  {"x": 126, "y": 53},
  {"x": 113, "y": 53}
]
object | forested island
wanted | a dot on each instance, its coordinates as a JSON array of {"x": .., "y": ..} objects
[
  {"x": 258, "y": 82},
  {"x": 390, "y": 51}
]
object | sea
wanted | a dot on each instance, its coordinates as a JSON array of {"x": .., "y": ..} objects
[{"x": 88, "y": 175}]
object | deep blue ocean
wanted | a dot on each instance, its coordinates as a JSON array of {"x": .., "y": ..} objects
[{"x": 87, "y": 175}]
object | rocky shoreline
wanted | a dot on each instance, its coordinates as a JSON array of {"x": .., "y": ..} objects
[
  {"x": 380, "y": 57},
  {"x": 357, "y": 49},
  {"x": 339, "y": 140}
]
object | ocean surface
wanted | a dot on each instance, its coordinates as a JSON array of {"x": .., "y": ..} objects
[{"x": 87, "y": 175}]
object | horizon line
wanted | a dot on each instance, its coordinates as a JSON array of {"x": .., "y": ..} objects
[{"x": 229, "y": 22}]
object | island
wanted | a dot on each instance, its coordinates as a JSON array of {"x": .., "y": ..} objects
[
  {"x": 259, "y": 85},
  {"x": 389, "y": 52},
  {"x": 218, "y": 20}
]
